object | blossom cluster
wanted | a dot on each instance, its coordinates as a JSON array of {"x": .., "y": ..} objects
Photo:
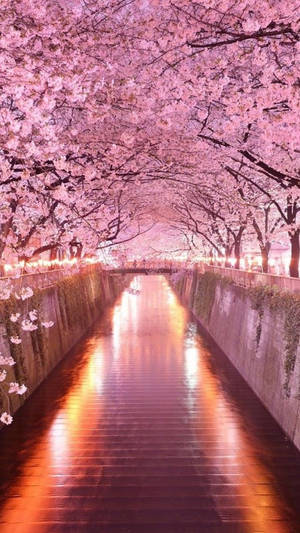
[
  {"x": 27, "y": 323},
  {"x": 12, "y": 387}
]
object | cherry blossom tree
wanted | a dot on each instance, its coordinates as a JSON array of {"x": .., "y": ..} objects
[{"x": 118, "y": 115}]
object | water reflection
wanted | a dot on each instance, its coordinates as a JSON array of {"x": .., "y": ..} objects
[
  {"x": 145, "y": 431},
  {"x": 231, "y": 452},
  {"x": 191, "y": 358}
]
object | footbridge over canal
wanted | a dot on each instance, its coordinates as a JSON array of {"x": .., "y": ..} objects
[{"x": 144, "y": 270}]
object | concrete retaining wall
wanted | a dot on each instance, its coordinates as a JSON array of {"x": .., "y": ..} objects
[
  {"x": 73, "y": 304},
  {"x": 259, "y": 332}
]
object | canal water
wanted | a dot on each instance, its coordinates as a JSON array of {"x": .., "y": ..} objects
[{"x": 147, "y": 428}]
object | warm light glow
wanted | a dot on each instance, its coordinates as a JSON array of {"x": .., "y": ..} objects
[
  {"x": 247, "y": 262},
  {"x": 191, "y": 354},
  {"x": 44, "y": 263}
]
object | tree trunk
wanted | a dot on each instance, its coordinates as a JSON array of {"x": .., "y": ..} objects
[
  {"x": 265, "y": 260},
  {"x": 53, "y": 254},
  {"x": 265, "y": 257},
  {"x": 79, "y": 250},
  {"x": 295, "y": 251},
  {"x": 61, "y": 254},
  {"x": 237, "y": 252},
  {"x": 237, "y": 246},
  {"x": 227, "y": 256}
]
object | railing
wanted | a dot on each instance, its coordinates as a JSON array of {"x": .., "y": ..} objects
[
  {"x": 252, "y": 279},
  {"x": 243, "y": 278},
  {"x": 42, "y": 280}
]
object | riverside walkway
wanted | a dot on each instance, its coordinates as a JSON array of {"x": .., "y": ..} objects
[{"x": 145, "y": 427}]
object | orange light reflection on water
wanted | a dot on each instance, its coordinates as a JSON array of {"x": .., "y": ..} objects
[
  {"x": 56, "y": 450},
  {"x": 235, "y": 459}
]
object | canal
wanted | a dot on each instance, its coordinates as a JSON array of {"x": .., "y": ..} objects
[{"x": 145, "y": 427}]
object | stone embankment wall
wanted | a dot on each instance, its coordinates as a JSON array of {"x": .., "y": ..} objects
[
  {"x": 73, "y": 304},
  {"x": 258, "y": 329}
]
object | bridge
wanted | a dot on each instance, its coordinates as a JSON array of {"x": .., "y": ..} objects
[{"x": 144, "y": 270}]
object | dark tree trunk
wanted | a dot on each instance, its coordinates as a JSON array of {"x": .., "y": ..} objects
[
  {"x": 227, "y": 256},
  {"x": 75, "y": 248},
  {"x": 265, "y": 260},
  {"x": 4, "y": 229},
  {"x": 295, "y": 251},
  {"x": 237, "y": 252},
  {"x": 53, "y": 254},
  {"x": 79, "y": 251},
  {"x": 237, "y": 246},
  {"x": 265, "y": 250},
  {"x": 61, "y": 254}
]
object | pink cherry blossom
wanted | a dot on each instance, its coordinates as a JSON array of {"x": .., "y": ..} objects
[
  {"x": 33, "y": 315},
  {"x": 170, "y": 129},
  {"x": 26, "y": 292},
  {"x": 48, "y": 324},
  {"x": 15, "y": 340},
  {"x": 9, "y": 361},
  {"x": 6, "y": 418},
  {"x": 3, "y": 374},
  {"x": 15, "y": 317},
  {"x": 27, "y": 325},
  {"x": 4, "y": 294},
  {"x": 15, "y": 388}
]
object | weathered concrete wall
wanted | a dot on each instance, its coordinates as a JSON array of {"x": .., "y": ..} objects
[
  {"x": 258, "y": 329},
  {"x": 73, "y": 304}
]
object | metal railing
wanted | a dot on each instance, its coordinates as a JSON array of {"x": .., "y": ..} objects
[
  {"x": 253, "y": 279},
  {"x": 43, "y": 280},
  {"x": 243, "y": 278}
]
